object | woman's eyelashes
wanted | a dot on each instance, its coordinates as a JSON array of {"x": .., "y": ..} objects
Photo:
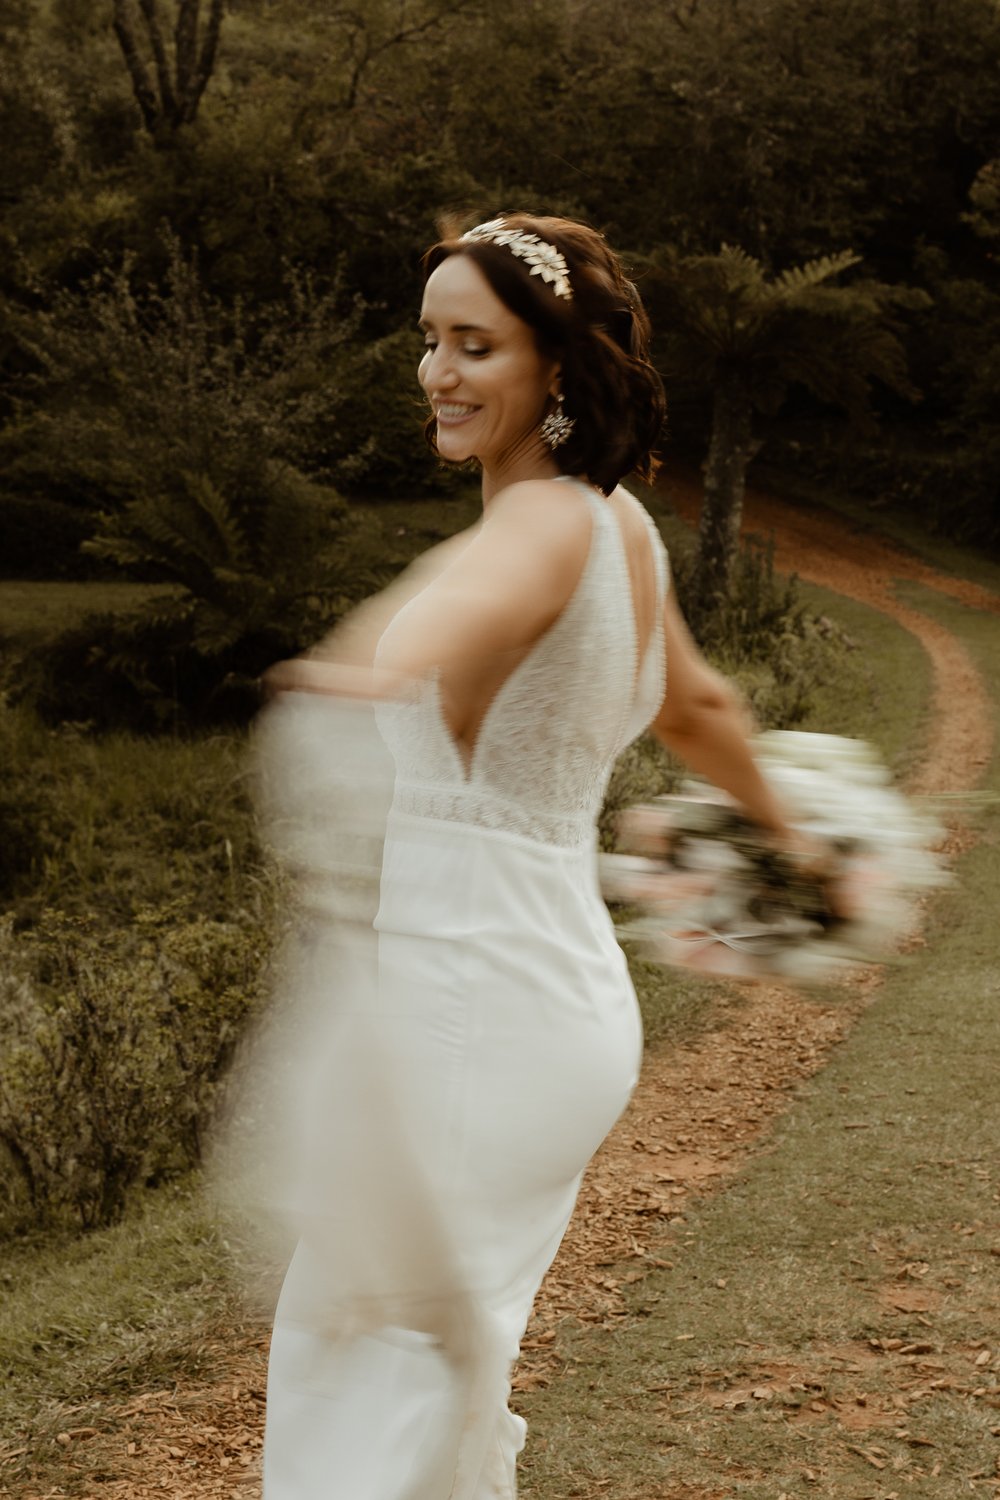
[{"x": 476, "y": 351}]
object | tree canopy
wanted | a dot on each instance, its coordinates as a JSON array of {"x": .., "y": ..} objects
[{"x": 273, "y": 140}]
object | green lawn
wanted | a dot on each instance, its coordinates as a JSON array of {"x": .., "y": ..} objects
[
  {"x": 850, "y": 1276},
  {"x": 32, "y": 611},
  {"x": 151, "y": 1301}
]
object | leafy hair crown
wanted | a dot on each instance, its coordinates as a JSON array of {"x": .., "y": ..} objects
[{"x": 544, "y": 259}]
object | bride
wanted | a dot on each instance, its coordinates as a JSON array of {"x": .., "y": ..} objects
[{"x": 499, "y": 1039}]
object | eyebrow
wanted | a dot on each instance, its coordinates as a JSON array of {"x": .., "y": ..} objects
[{"x": 425, "y": 323}]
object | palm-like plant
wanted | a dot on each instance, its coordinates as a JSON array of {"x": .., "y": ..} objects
[
  {"x": 749, "y": 337},
  {"x": 196, "y": 432}
]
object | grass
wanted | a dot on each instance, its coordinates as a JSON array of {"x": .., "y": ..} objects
[
  {"x": 879, "y": 1191},
  {"x": 140, "y": 1304},
  {"x": 119, "y": 1310},
  {"x": 881, "y": 690},
  {"x": 111, "y": 823},
  {"x": 962, "y": 561},
  {"x": 32, "y": 611}
]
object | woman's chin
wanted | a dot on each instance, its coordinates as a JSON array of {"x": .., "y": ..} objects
[{"x": 453, "y": 447}]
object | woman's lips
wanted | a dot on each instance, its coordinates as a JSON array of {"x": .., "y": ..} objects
[{"x": 454, "y": 413}]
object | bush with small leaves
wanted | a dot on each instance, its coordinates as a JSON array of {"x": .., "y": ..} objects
[{"x": 112, "y": 1046}]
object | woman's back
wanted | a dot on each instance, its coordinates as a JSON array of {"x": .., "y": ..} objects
[{"x": 545, "y": 742}]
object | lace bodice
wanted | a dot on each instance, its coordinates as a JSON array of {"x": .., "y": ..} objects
[{"x": 551, "y": 735}]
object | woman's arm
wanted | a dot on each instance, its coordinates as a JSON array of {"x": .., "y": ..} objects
[
  {"x": 703, "y": 721},
  {"x": 500, "y": 587}
]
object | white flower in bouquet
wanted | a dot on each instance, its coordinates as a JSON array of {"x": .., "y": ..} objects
[{"x": 716, "y": 895}]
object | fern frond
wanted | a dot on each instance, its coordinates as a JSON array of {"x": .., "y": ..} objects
[
  {"x": 737, "y": 260},
  {"x": 210, "y": 504},
  {"x": 813, "y": 273}
]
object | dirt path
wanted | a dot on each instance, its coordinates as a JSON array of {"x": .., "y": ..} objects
[
  {"x": 697, "y": 1114},
  {"x": 700, "y": 1110},
  {"x": 824, "y": 548}
]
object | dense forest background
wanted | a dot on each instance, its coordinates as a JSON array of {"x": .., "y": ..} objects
[
  {"x": 210, "y": 427},
  {"x": 213, "y": 215}
]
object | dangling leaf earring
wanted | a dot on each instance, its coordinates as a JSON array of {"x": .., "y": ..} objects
[{"x": 557, "y": 427}]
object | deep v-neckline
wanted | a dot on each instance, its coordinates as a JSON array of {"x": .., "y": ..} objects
[{"x": 466, "y": 760}]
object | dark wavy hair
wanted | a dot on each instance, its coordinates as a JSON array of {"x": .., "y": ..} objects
[{"x": 600, "y": 336}]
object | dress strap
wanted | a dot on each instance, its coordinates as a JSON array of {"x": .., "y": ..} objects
[{"x": 661, "y": 558}]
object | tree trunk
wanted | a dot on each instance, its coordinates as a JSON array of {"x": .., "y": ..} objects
[
  {"x": 180, "y": 81},
  {"x": 731, "y": 448}
]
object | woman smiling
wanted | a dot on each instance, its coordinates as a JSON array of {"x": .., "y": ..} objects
[{"x": 502, "y": 1039}]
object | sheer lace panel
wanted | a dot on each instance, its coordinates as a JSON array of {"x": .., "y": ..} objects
[{"x": 547, "y": 745}]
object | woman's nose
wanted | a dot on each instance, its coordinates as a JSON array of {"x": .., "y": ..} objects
[{"x": 438, "y": 371}]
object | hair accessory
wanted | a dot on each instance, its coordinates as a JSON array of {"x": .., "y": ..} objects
[
  {"x": 544, "y": 259},
  {"x": 557, "y": 427}
]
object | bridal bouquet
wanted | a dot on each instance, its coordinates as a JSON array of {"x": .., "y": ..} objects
[{"x": 716, "y": 894}]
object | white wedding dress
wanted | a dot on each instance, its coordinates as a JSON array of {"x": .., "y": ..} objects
[{"x": 506, "y": 1039}]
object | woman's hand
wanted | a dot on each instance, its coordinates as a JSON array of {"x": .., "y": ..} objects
[
  {"x": 296, "y": 675},
  {"x": 335, "y": 679},
  {"x": 816, "y": 863}
]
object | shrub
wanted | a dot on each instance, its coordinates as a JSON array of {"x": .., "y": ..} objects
[
  {"x": 254, "y": 580},
  {"x": 111, "y": 1050},
  {"x": 762, "y": 636},
  {"x": 380, "y": 448},
  {"x": 127, "y": 387},
  {"x": 41, "y": 538},
  {"x": 114, "y": 824},
  {"x": 757, "y": 611},
  {"x": 196, "y": 436},
  {"x": 119, "y": 1012},
  {"x": 779, "y": 686}
]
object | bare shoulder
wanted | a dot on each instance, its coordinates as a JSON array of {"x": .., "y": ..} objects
[
  {"x": 551, "y": 502},
  {"x": 547, "y": 523},
  {"x": 427, "y": 565}
]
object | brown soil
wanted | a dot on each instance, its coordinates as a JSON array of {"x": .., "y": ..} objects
[{"x": 698, "y": 1112}]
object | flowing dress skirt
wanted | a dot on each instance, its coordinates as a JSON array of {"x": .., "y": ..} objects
[{"x": 509, "y": 1040}]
